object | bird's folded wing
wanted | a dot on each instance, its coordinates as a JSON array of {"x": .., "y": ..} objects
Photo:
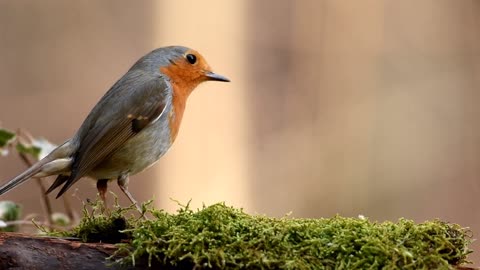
[{"x": 128, "y": 110}]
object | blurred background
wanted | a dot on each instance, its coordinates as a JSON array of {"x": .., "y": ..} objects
[{"x": 348, "y": 107}]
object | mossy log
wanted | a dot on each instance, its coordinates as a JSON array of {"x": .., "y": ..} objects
[
  {"x": 21, "y": 251},
  {"x": 222, "y": 237}
]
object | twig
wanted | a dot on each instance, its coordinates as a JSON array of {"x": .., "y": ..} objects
[{"x": 45, "y": 200}]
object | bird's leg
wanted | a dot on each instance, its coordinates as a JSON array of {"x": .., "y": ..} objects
[
  {"x": 122, "y": 182},
  {"x": 102, "y": 190}
]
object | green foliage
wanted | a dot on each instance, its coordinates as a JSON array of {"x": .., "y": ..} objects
[
  {"x": 222, "y": 237},
  {"x": 9, "y": 211},
  {"x": 97, "y": 225},
  {"x": 43, "y": 146},
  {"x": 37, "y": 148},
  {"x": 6, "y": 137},
  {"x": 60, "y": 219},
  {"x": 28, "y": 149}
]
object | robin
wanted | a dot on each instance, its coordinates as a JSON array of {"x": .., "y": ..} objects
[{"x": 131, "y": 127}]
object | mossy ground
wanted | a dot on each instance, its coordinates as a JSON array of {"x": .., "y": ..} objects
[{"x": 218, "y": 237}]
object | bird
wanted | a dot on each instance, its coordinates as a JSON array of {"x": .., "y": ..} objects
[{"x": 130, "y": 128}]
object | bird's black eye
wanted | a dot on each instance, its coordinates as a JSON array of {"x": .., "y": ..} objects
[{"x": 192, "y": 59}]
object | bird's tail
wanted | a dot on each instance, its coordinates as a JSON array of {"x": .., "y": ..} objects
[
  {"x": 21, "y": 178},
  {"x": 56, "y": 162}
]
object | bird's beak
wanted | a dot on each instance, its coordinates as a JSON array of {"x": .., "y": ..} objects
[{"x": 215, "y": 77}]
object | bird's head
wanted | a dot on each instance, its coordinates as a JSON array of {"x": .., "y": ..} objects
[{"x": 183, "y": 66}]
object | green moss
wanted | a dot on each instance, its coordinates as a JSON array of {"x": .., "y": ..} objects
[
  {"x": 220, "y": 237},
  {"x": 98, "y": 225}
]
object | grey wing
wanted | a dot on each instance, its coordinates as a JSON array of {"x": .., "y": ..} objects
[{"x": 122, "y": 113}]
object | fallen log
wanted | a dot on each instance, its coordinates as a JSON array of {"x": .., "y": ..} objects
[
  {"x": 222, "y": 237},
  {"x": 21, "y": 251}
]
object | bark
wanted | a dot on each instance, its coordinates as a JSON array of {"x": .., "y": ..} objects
[{"x": 20, "y": 251}]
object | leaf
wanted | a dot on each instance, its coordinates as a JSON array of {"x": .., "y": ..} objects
[
  {"x": 45, "y": 147},
  {"x": 6, "y": 137},
  {"x": 60, "y": 219},
  {"x": 27, "y": 149},
  {"x": 3, "y": 151},
  {"x": 9, "y": 211},
  {"x": 39, "y": 148}
]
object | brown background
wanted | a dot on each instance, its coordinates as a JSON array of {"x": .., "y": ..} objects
[{"x": 349, "y": 107}]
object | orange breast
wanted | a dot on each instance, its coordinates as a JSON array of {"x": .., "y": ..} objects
[
  {"x": 175, "y": 118},
  {"x": 182, "y": 84}
]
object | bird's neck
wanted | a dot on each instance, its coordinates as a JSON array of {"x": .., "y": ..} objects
[
  {"x": 179, "y": 101},
  {"x": 182, "y": 79},
  {"x": 182, "y": 85}
]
